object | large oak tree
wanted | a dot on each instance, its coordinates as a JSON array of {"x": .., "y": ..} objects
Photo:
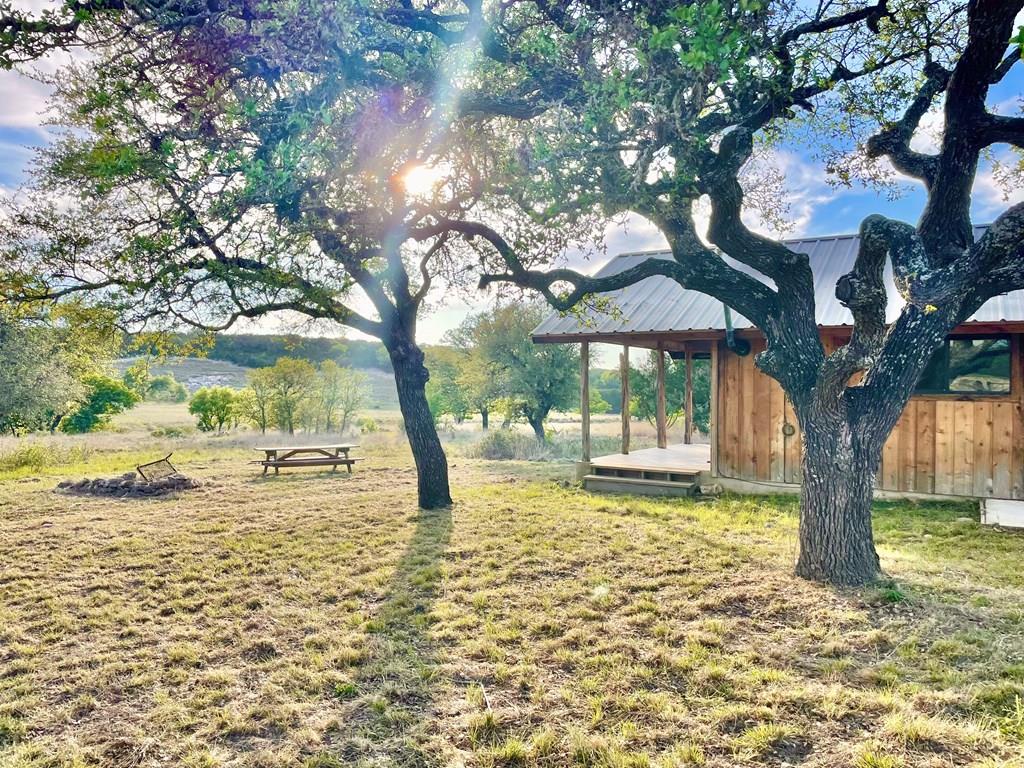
[
  {"x": 654, "y": 106},
  {"x": 230, "y": 160}
]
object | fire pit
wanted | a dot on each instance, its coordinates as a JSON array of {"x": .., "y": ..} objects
[{"x": 129, "y": 485}]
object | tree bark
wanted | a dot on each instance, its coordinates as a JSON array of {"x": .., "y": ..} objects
[
  {"x": 431, "y": 463},
  {"x": 839, "y": 466},
  {"x": 484, "y": 417},
  {"x": 537, "y": 422}
]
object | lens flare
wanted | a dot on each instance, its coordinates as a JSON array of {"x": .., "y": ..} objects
[{"x": 421, "y": 180}]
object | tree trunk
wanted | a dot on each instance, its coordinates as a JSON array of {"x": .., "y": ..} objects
[
  {"x": 836, "y": 543},
  {"x": 484, "y": 415},
  {"x": 431, "y": 463},
  {"x": 537, "y": 422}
]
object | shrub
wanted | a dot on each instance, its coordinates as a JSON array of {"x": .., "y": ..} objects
[
  {"x": 105, "y": 397},
  {"x": 509, "y": 444},
  {"x": 172, "y": 431},
  {"x": 166, "y": 389},
  {"x": 367, "y": 426},
  {"x": 39, "y": 456},
  {"x": 504, "y": 444},
  {"x": 29, "y": 455},
  {"x": 213, "y": 406}
]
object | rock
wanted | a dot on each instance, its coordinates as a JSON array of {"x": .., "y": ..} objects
[{"x": 129, "y": 485}]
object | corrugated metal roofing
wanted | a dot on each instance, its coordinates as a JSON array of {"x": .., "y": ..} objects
[{"x": 660, "y": 304}]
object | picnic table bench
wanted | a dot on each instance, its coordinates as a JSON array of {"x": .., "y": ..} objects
[{"x": 307, "y": 456}]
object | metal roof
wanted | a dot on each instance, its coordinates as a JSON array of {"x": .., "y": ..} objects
[{"x": 659, "y": 304}]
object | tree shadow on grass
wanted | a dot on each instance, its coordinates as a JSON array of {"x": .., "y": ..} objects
[{"x": 399, "y": 678}]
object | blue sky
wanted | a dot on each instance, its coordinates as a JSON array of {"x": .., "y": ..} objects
[{"x": 815, "y": 208}]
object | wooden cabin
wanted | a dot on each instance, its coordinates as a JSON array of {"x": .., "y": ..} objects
[{"x": 961, "y": 435}]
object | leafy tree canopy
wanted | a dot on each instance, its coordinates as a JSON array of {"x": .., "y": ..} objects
[
  {"x": 104, "y": 397},
  {"x": 535, "y": 378},
  {"x": 213, "y": 407}
]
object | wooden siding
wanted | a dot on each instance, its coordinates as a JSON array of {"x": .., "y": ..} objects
[{"x": 948, "y": 445}]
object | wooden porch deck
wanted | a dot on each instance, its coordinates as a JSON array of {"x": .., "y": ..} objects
[{"x": 686, "y": 459}]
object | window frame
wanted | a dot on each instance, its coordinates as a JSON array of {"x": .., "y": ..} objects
[{"x": 947, "y": 394}]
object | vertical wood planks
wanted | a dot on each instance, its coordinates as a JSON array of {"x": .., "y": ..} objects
[
  {"x": 748, "y": 447},
  {"x": 944, "y": 445},
  {"x": 944, "y": 463},
  {"x": 889, "y": 472},
  {"x": 982, "y": 481},
  {"x": 908, "y": 448},
  {"x": 731, "y": 407},
  {"x": 963, "y": 448},
  {"x": 714, "y": 408},
  {"x": 924, "y": 466},
  {"x": 761, "y": 421},
  {"x": 1003, "y": 416},
  {"x": 777, "y": 440}
]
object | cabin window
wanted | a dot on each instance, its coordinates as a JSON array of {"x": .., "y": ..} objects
[{"x": 969, "y": 365}]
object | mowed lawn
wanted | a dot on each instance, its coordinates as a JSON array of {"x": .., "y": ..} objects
[{"x": 321, "y": 620}]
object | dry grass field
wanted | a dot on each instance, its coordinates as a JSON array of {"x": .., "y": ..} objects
[{"x": 320, "y": 620}]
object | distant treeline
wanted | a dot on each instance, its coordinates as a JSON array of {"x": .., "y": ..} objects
[{"x": 253, "y": 350}]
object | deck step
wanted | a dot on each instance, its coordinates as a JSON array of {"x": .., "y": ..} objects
[
  {"x": 636, "y": 485},
  {"x": 667, "y": 475}
]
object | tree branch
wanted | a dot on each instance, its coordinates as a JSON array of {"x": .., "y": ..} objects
[
  {"x": 862, "y": 291},
  {"x": 894, "y": 141}
]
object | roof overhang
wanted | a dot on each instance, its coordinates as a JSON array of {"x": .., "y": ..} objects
[{"x": 670, "y": 339}]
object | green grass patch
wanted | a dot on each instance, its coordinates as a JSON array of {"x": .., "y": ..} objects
[{"x": 318, "y": 619}]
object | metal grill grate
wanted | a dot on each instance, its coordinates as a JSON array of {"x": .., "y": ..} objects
[{"x": 157, "y": 470}]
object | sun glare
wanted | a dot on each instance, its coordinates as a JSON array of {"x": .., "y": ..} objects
[{"x": 420, "y": 180}]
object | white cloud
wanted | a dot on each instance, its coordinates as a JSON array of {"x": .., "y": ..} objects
[
  {"x": 23, "y": 100},
  {"x": 928, "y": 135},
  {"x": 633, "y": 233},
  {"x": 991, "y": 196},
  {"x": 783, "y": 186}
]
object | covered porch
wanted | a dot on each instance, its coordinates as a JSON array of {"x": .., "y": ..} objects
[{"x": 669, "y": 469}]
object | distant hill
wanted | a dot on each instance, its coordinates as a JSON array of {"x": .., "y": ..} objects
[
  {"x": 253, "y": 350},
  {"x": 196, "y": 372}
]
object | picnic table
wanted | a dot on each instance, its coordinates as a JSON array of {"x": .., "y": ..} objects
[{"x": 307, "y": 456}]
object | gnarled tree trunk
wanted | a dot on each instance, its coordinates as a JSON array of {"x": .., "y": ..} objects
[
  {"x": 839, "y": 466},
  {"x": 411, "y": 377}
]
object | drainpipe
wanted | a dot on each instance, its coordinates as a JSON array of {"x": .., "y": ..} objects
[{"x": 739, "y": 346}]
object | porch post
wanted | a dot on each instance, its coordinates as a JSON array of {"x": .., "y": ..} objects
[
  {"x": 585, "y": 397},
  {"x": 688, "y": 405},
  {"x": 713, "y": 435},
  {"x": 659, "y": 414},
  {"x": 624, "y": 380}
]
